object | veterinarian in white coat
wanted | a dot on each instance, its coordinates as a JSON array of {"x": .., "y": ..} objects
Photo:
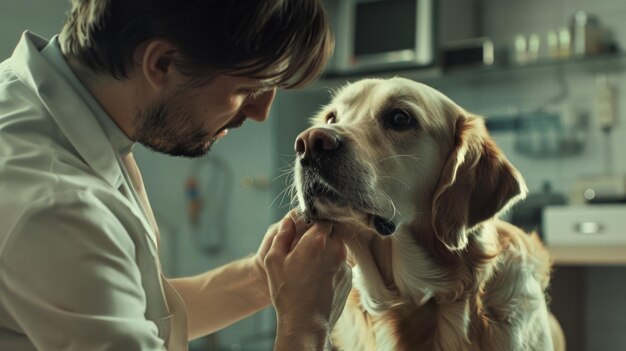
[{"x": 79, "y": 267}]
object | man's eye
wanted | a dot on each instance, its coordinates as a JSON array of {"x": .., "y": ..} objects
[{"x": 399, "y": 120}]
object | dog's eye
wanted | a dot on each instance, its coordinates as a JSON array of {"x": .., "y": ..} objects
[
  {"x": 399, "y": 120},
  {"x": 331, "y": 118}
]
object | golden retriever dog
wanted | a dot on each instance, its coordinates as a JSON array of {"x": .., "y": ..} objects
[{"x": 414, "y": 184}]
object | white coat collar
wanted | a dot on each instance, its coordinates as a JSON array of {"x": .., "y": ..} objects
[{"x": 71, "y": 113}]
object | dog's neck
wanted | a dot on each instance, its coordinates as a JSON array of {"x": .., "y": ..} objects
[
  {"x": 447, "y": 272},
  {"x": 391, "y": 270},
  {"x": 371, "y": 257},
  {"x": 413, "y": 266}
]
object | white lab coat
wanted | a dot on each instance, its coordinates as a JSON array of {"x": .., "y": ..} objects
[{"x": 78, "y": 270}]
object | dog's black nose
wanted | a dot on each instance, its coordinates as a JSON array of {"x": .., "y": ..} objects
[{"x": 312, "y": 143}]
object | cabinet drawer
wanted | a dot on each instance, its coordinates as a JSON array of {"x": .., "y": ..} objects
[{"x": 585, "y": 224}]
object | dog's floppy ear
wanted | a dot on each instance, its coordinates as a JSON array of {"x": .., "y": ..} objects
[{"x": 477, "y": 182}]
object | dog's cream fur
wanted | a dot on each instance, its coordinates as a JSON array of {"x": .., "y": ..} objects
[{"x": 452, "y": 276}]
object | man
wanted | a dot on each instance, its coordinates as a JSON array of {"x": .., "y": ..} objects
[{"x": 78, "y": 241}]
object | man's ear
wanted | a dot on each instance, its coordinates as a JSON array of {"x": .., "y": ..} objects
[
  {"x": 157, "y": 63},
  {"x": 477, "y": 182}
]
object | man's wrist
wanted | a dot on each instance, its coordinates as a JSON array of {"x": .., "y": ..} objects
[{"x": 258, "y": 280}]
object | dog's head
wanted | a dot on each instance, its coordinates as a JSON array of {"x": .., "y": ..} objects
[{"x": 390, "y": 152}]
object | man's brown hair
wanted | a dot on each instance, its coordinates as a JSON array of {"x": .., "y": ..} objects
[{"x": 288, "y": 41}]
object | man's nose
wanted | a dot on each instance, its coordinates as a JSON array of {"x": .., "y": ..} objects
[
  {"x": 258, "y": 108},
  {"x": 316, "y": 141}
]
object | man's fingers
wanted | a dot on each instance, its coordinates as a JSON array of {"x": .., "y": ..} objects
[
  {"x": 281, "y": 243},
  {"x": 338, "y": 246},
  {"x": 315, "y": 236},
  {"x": 320, "y": 237},
  {"x": 293, "y": 214},
  {"x": 322, "y": 232},
  {"x": 318, "y": 228},
  {"x": 301, "y": 225}
]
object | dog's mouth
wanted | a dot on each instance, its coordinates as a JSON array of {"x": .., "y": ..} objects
[
  {"x": 323, "y": 201},
  {"x": 319, "y": 200},
  {"x": 382, "y": 225}
]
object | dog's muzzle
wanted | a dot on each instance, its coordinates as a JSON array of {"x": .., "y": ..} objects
[
  {"x": 316, "y": 147},
  {"x": 319, "y": 150}
]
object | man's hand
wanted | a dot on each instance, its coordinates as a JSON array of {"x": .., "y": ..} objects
[
  {"x": 264, "y": 248},
  {"x": 308, "y": 279}
]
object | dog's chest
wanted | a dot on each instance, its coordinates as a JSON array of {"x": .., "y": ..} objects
[
  {"x": 357, "y": 330},
  {"x": 401, "y": 328}
]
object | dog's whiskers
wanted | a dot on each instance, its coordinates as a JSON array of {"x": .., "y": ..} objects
[
  {"x": 289, "y": 190},
  {"x": 362, "y": 201},
  {"x": 283, "y": 174},
  {"x": 392, "y": 205},
  {"x": 399, "y": 180},
  {"x": 416, "y": 159},
  {"x": 287, "y": 155},
  {"x": 288, "y": 172},
  {"x": 283, "y": 193},
  {"x": 293, "y": 194}
]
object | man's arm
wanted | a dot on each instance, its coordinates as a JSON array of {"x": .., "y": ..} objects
[
  {"x": 222, "y": 296},
  {"x": 309, "y": 286},
  {"x": 69, "y": 279},
  {"x": 225, "y": 295}
]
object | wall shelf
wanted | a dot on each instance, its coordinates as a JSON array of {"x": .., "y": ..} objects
[{"x": 503, "y": 72}]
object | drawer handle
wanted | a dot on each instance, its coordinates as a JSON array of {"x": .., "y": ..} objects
[{"x": 588, "y": 228}]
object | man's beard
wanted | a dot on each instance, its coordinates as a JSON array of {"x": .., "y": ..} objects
[{"x": 169, "y": 127}]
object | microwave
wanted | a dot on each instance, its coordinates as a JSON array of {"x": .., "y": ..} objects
[{"x": 375, "y": 35}]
